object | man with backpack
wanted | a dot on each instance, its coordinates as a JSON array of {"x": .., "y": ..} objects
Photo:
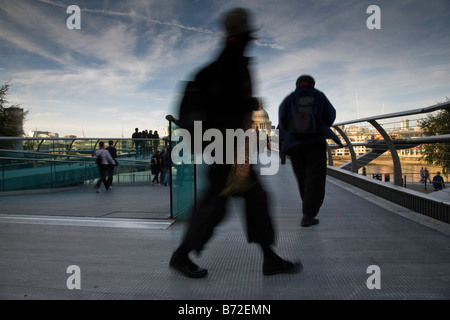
[
  {"x": 226, "y": 84},
  {"x": 305, "y": 118}
]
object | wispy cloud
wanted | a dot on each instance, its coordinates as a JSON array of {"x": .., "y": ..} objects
[
  {"x": 132, "y": 14},
  {"x": 124, "y": 66},
  {"x": 263, "y": 43}
]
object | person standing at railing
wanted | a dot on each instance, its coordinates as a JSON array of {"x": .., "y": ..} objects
[
  {"x": 103, "y": 160},
  {"x": 144, "y": 150},
  {"x": 156, "y": 136},
  {"x": 422, "y": 175},
  {"x": 151, "y": 142},
  {"x": 137, "y": 143},
  {"x": 305, "y": 117}
]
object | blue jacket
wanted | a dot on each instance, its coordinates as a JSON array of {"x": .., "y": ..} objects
[{"x": 326, "y": 113}]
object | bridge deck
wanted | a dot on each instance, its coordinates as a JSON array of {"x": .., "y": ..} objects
[{"x": 128, "y": 259}]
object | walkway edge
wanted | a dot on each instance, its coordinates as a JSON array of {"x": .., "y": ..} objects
[
  {"x": 437, "y": 225},
  {"x": 88, "y": 221}
]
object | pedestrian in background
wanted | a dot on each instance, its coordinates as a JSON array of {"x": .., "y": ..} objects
[
  {"x": 305, "y": 118},
  {"x": 113, "y": 152},
  {"x": 426, "y": 176},
  {"x": 155, "y": 166},
  {"x": 166, "y": 164},
  {"x": 103, "y": 160}
]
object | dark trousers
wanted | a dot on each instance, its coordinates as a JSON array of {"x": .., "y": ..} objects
[
  {"x": 156, "y": 177},
  {"x": 110, "y": 170},
  {"x": 309, "y": 162},
  {"x": 103, "y": 169},
  {"x": 212, "y": 209}
]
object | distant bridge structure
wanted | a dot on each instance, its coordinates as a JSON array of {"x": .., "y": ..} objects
[
  {"x": 379, "y": 147},
  {"x": 47, "y": 163}
]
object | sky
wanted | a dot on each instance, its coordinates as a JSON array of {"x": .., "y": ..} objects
[{"x": 125, "y": 66}]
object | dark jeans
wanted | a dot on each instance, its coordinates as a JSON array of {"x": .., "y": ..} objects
[
  {"x": 212, "y": 209},
  {"x": 103, "y": 169},
  {"x": 156, "y": 177},
  {"x": 137, "y": 146},
  {"x": 110, "y": 170},
  {"x": 309, "y": 162}
]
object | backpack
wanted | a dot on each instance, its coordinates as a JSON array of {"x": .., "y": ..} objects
[
  {"x": 196, "y": 96},
  {"x": 304, "y": 119}
]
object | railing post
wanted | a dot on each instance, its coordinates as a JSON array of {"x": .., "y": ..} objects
[
  {"x": 395, "y": 158},
  {"x": 95, "y": 146},
  {"x": 39, "y": 145},
  {"x": 69, "y": 147}
]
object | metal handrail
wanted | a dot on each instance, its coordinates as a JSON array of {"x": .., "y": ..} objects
[
  {"x": 144, "y": 163},
  {"x": 83, "y": 139},
  {"x": 436, "y": 107},
  {"x": 390, "y": 143},
  {"x": 58, "y": 155}
]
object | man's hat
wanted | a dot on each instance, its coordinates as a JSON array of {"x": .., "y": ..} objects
[{"x": 238, "y": 21}]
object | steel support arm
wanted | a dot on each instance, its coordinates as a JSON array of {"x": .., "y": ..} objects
[
  {"x": 398, "y": 180},
  {"x": 350, "y": 147}
]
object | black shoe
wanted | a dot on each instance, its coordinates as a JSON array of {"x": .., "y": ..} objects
[
  {"x": 187, "y": 267},
  {"x": 307, "y": 221},
  {"x": 277, "y": 266}
]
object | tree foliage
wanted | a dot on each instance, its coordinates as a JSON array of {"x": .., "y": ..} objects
[
  {"x": 437, "y": 123},
  {"x": 11, "y": 117}
]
